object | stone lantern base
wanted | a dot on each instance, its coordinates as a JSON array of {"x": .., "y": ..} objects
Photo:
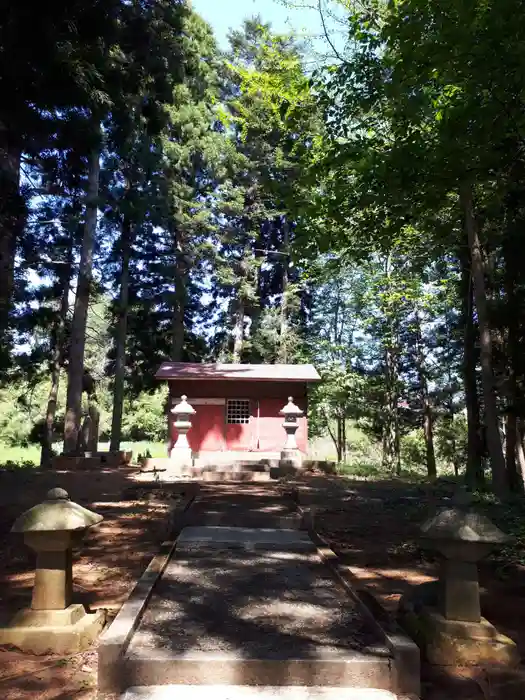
[
  {"x": 181, "y": 456},
  {"x": 291, "y": 457},
  {"x": 53, "y": 631},
  {"x": 453, "y": 642},
  {"x": 290, "y": 464}
]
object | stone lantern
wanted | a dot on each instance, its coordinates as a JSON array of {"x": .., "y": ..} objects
[
  {"x": 53, "y": 623},
  {"x": 290, "y": 452},
  {"x": 181, "y": 450},
  {"x": 446, "y": 617}
]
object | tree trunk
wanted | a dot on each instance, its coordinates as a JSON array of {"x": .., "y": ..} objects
[
  {"x": 428, "y": 417},
  {"x": 519, "y": 450},
  {"x": 397, "y": 441},
  {"x": 388, "y": 439},
  {"x": 390, "y": 422},
  {"x": 78, "y": 326},
  {"x": 179, "y": 309},
  {"x": 256, "y": 307},
  {"x": 336, "y": 335},
  {"x": 121, "y": 337},
  {"x": 46, "y": 454},
  {"x": 339, "y": 439},
  {"x": 450, "y": 417},
  {"x": 344, "y": 436},
  {"x": 12, "y": 211},
  {"x": 497, "y": 460},
  {"x": 510, "y": 451},
  {"x": 391, "y": 436},
  {"x": 283, "y": 332},
  {"x": 238, "y": 331},
  {"x": 428, "y": 430},
  {"x": 512, "y": 256},
  {"x": 56, "y": 365},
  {"x": 333, "y": 436},
  {"x": 177, "y": 331},
  {"x": 475, "y": 474}
]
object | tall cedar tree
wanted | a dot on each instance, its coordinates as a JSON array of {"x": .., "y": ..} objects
[{"x": 173, "y": 251}]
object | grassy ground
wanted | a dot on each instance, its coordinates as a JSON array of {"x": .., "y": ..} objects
[
  {"x": 31, "y": 455},
  {"x": 363, "y": 460},
  {"x": 362, "y": 469}
]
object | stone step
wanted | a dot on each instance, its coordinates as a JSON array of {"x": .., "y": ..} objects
[
  {"x": 231, "y": 609},
  {"x": 239, "y": 606},
  {"x": 250, "y": 520},
  {"x": 354, "y": 671},
  {"x": 255, "y": 511},
  {"x": 246, "y": 692},
  {"x": 220, "y": 473},
  {"x": 244, "y": 476},
  {"x": 236, "y": 456},
  {"x": 231, "y": 467},
  {"x": 215, "y": 537},
  {"x": 222, "y": 470},
  {"x": 255, "y": 465}
]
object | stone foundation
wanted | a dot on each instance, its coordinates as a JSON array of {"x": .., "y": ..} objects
[
  {"x": 96, "y": 461},
  {"x": 454, "y": 642},
  {"x": 53, "y": 631}
]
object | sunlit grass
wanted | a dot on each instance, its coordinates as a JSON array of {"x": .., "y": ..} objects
[
  {"x": 30, "y": 454},
  {"x": 12, "y": 457}
]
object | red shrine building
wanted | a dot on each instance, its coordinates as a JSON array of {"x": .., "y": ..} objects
[{"x": 237, "y": 406}]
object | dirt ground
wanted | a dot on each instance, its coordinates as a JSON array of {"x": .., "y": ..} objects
[
  {"x": 106, "y": 567},
  {"x": 373, "y": 526}
]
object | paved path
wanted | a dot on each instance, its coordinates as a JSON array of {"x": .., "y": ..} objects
[
  {"x": 251, "y": 613},
  {"x": 224, "y": 692},
  {"x": 246, "y": 505}
]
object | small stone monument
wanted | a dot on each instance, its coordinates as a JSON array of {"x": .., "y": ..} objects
[
  {"x": 290, "y": 453},
  {"x": 90, "y": 430},
  {"x": 445, "y": 617},
  {"x": 92, "y": 441},
  {"x": 53, "y": 624},
  {"x": 181, "y": 450}
]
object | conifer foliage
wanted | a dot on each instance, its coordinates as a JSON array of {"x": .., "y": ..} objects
[{"x": 161, "y": 198}]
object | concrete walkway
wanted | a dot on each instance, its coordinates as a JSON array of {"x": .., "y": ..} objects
[
  {"x": 247, "y": 610},
  {"x": 225, "y": 692}
]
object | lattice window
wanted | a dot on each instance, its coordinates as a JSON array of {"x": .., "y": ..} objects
[{"x": 238, "y": 411}]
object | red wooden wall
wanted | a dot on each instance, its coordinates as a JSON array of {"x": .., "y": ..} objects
[{"x": 264, "y": 432}]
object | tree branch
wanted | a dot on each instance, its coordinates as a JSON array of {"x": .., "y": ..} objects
[{"x": 325, "y": 31}]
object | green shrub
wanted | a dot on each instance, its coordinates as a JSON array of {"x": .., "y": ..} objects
[
  {"x": 368, "y": 470},
  {"x": 10, "y": 465},
  {"x": 451, "y": 441},
  {"x": 413, "y": 450},
  {"x": 145, "y": 418},
  {"x": 15, "y": 428}
]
